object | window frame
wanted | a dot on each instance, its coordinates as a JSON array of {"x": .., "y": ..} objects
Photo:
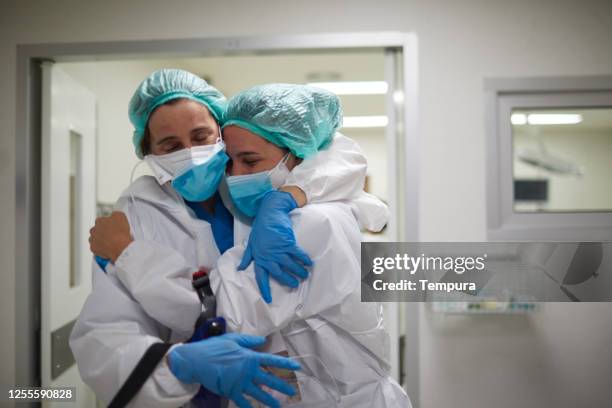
[{"x": 503, "y": 95}]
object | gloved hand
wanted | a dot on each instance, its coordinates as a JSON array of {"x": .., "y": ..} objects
[
  {"x": 226, "y": 366},
  {"x": 272, "y": 245}
]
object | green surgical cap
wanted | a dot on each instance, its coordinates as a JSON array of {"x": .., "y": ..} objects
[
  {"x": 165, "y": 85},
  {"x": 300, "y": 118}
]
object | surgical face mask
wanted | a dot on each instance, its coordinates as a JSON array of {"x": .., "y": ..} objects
[
  {"x": 195, "y": 173},
  {"x": 248, "y": 190}
]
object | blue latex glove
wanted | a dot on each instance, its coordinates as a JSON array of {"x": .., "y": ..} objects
[
  {"x": 226, "y": 366},
  {"x": 272, "y": 245}
]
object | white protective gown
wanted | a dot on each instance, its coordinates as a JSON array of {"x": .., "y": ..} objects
[
  {"x": 323, "y": 317},
  {"x": 128, "y": 310}
]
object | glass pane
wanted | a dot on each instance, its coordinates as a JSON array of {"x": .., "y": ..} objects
[{"x": 562, "y": 159}]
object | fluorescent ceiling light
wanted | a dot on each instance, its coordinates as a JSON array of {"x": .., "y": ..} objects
[
  {"x": 554, "y": 118},
  {"x": 518, "y": 119},
  {"x": 398, "y": 97},
  {"x": 364, "y": 121},
  {"x": 354, "y": 88},
  {"x": 545, "y": 118}
]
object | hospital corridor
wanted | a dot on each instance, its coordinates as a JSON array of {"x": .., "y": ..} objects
[{"x": 306, "y": 204}]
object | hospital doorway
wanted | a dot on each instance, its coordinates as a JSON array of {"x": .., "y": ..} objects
[{"x": 87, "y": 160}]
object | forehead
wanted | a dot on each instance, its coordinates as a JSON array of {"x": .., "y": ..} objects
[
  {"x": 238, "y": 140},
  {"x": 183, "y": 112}
]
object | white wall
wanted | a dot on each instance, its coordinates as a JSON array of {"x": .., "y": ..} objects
[{"x": 559, "y": 358}]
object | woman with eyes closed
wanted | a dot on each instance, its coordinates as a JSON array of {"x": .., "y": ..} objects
[{"x": 268, "y": 130}]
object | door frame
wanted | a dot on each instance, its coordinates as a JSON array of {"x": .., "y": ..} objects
[{"x": 28, "y": 155}]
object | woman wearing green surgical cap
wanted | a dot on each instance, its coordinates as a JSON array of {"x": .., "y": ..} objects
[
  {"x": 267, "y": 131},
  {"x": 166, "y": 87},
  {"x": 169, "y": 226}
]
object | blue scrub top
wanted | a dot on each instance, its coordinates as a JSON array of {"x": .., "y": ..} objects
[{"x": 222, "y": 222}]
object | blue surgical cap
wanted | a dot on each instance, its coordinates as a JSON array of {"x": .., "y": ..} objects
[
  {"x": 300, "y": 118},
  {"x": 165, "y": 85}
]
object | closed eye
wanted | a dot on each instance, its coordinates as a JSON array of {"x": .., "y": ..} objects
[
  {"x": 203, "y": 133},
  {"x": 251, "y": 163},
  {"x": 172, "y": 147}
]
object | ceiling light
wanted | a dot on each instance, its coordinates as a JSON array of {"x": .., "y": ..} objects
[
  {"x": 545, "y": 118},
  {"x": 354, "y": 88},
  {"x": 364, "y": 121},
  {"x": 398, "y": 97},
  {"x": 554, "y": 118},
  {"x": 518, "y": 119}
]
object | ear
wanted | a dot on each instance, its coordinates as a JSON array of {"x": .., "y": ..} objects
[{"x": 292, "y": 161}]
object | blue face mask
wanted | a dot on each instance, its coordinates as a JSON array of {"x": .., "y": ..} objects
[
  {"x": 195, "y": 172},
  {"x": 200, "y": 182},
  {"x": 248, "y": 190}
]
